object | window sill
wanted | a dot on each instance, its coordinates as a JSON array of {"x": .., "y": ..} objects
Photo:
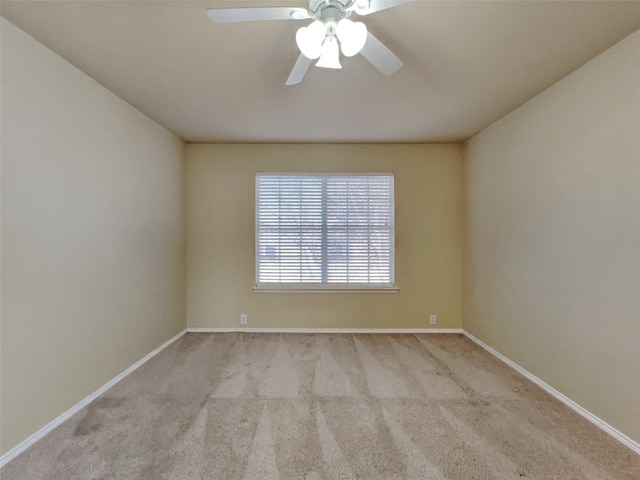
[{"x": 325, "y": 290}]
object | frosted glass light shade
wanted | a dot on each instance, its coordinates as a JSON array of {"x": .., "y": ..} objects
[
  {"x": 310, "y": 38},
  {"x": 330, "y": 57},
  {"x": 352, "y": 36}
]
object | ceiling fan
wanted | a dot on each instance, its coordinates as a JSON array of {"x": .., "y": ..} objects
[{"x": 330, "y": 32}]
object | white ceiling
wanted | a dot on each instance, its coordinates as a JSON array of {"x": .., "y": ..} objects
[{"x": 466, "y": 64}]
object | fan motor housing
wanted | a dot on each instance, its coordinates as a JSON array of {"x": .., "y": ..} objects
[{"x": 330, "y": 10}]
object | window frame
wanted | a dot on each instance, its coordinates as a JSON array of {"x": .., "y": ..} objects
[{"x": 326, "y": 287}]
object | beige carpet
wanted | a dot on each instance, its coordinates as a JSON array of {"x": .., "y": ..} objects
[{"x": 311, "y": 407}]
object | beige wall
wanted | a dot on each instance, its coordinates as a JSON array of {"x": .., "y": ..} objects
[
  {"x": 92, "y": 236},
  {"x": 220, "y": 237},
  {"x": 552, "y": 236}
]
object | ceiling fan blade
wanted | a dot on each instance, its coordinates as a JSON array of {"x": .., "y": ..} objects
[
  {"x": 377, "y": 5},
  {"x": 380, "y": 56},
  {"x": 232, "y": 15},
  {"x": 299, "y": 70}
]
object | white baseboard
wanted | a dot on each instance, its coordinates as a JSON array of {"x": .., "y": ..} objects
[
  {"x": 618, "y": 435},
  {"x": 22, "y": 446},
  {"x": 321, "y": 330},
  {"x": 615, "y": 433}
]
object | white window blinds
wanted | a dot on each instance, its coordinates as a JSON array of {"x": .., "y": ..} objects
[{"x": 324, "y": 230}]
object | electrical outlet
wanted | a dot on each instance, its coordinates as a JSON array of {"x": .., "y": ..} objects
[
  {"x": 243, "y": 318},
  {"x": 433, "y": 319}
]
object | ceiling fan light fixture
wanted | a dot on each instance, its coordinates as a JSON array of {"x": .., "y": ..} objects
[
  {"x": 330, "y": 57},
  {"x": 328, "y": 35},
  {"x": 309, "y": 39},
  {"x": 352, "y": 36}
]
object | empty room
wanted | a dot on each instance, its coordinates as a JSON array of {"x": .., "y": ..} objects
[{"x": 319, "y": 239}]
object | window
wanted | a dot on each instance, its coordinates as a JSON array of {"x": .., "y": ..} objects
[{"x": 324, "y": 231}]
